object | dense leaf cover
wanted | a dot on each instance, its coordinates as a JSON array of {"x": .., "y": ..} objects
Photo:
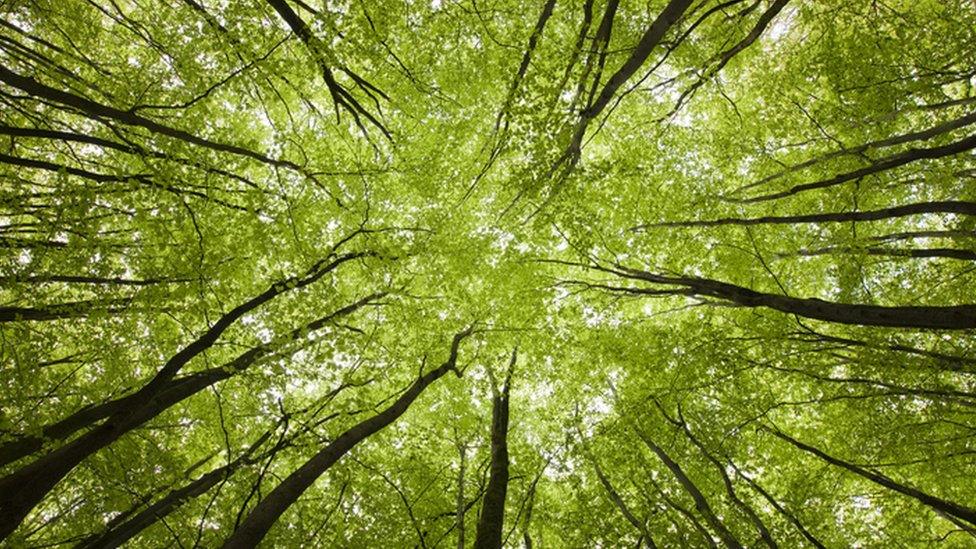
[{"x": 588, "y": 273}]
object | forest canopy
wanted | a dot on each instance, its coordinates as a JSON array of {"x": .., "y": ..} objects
[{"x": 488, "y": 273}]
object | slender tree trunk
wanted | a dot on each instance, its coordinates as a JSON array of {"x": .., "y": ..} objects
[
  {"x": 58, "y": 311},
  {"x": 948, "y": 253},
  {"x": 121, "y": 533},
  {"x": 176, "y": 391},
  {"x": 253, "y": 528},
  {"x": 670, "y": 15},
  {"x": 884, "y": 164},
  {"x": 492, "y": 519},
  {"x": 915, "y": 253},
  {"x": 701, "y": 504},
  {"x": 23, "y": 489},
  {"x": 179, "y": 389},
  {"x": 687, "y": 514},
  {"x": 340, "y": 95},
  {"x": 947, "y": 362},
  {"x": 944, "y": 206},
  {"x": 729, "y": 487},
  {"x": 764, "y": 20},
  {"x": 98, "y": 111},
  {"x": 620, "y": 504},
  {"x": 952, "y": 317},
  {"x": 922, "y": 135},
  {"x": 779, "y": 507},
  {"x": 460, "y": 507},
  {"x": 937, "y": 504}
]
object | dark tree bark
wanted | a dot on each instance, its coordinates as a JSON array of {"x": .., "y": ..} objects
[
  {"x": 652, "y": 37},
  {"x": 915, "y": 253},
  {"x": 459, "y": 500},
  {"x": 492, "y": 519},
  {"x": 723, "y": 58},
  {"x": 128, "y": 148},
  {"x": 686, "y": 513},
  {"x": 779, "y": 507},
  {"x": 701, "y": 504},
  {"x": 615, "y": 497},
  {"x": 141, "y": 179},
  {"x": 23, "y": 489},
  {"x": 881, "y": 165},
  {"x": 340, "y": 95},
  {"x": 947, "y": 362},
  {"x": 859, "y": 150},
  {"x": 58, "y": 311},
  {"x": 937, "y": 504},
  {"x": 951, "y": 317},
  {"x": 120, "y": 533},
  {"x": 945, "y": 206},
  {"x": 729, "y": 487},
  {"x": 99, "y": 111},
  {"x": 253, "y": 528},
  {"x": 670, "y": 15},
  {"x": 96, "y": 280},
  {"x": 176, "y": 391}
]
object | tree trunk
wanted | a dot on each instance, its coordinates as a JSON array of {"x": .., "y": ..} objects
[
  {"x": 99, "y": 111},
  {"x": 119, "y": 534},
  {"x": 177, "y": 390},
  {"x": 938, "y": 505},
  {"x": 492, "y": 519},
  {"x": 23, "y": 489},
  {"x": 952, "y": 317},
  {"x": 701, "y": 504},
  {"x": 957, "y": 207},
  {"x": 460, "y": 508},
  {"x": 253, "y": 528},
  {"x": 884, "y": 164}
]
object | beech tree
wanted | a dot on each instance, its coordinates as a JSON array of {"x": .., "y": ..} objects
[{"x": 702, "y": 270}]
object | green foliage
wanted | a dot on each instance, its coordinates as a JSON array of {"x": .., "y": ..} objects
[{"x": 123, "y": 243}]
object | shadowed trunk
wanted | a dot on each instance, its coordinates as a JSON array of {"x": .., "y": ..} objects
[
  {"x": 615, "y": 497},
  {"x": 701, "y": 504},
  {"x": 23, "y": 489},
  {"x": 176, "y": 391},
  {"x": 253, "y": 528},
  {"x": 121, "y": 532},
  {"x": 937, "y": 504},
  {"x": 492, "y": 519},
  {"x": 951, "y": 317},
  {"x": 944, "y": 206}
]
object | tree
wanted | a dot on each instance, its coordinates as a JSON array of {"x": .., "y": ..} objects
[{"x": 245, "y": 243}]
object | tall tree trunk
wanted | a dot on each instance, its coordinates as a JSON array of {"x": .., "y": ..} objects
[
  {"x": 859, "y": 150},
  {"x": 952, "y": 317},
  {"x": 937, "y": 504},
  {"x": 492, "y": 519},
  {"x": 670, "y": 15},
  {"x": 617, "y": 500},
  {"x": 884, "y": 164},
  {"x": 99, "y": 111},
  {"x": 58, "y": 311},
  {"x": 944, "y": 206},
  {"x": 701, "y": 504},
  {"x": 253, "y": 528},
  {"x": 177, "y": 390},
  {"x": 460, "y": 506},
  {"x": 880, "y": 251},
  {"x": 958, "y": 207},
  {"x": 779, "y": 507},
  {"x": 120, "y": 533},
  {"x": 23, "y": 489},
  {"x": 726, "y": 480}
]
